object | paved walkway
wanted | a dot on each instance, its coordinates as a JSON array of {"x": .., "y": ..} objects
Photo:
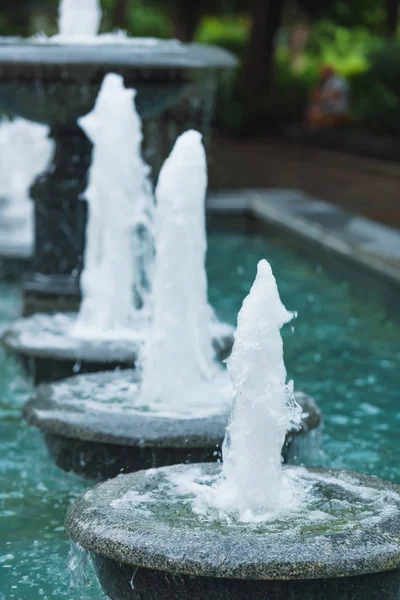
[{"x": 360, "y": 185}]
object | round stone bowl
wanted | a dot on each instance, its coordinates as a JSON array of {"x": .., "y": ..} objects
[
  {"x": 94, "y": 425},
  {"x": 58, "y": 81},
  {"x": 158, "y": 534},
  {"x": 49, "y": 353}
]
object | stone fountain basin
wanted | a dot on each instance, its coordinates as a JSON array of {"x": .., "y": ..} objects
[
  {"x": 93, "y": 425},
  {"x": 149, "y": 537},
  {"x": 49, "y": 353},
  {"x": 50, "y": 81},
  {"x": 101, "y": 51}
]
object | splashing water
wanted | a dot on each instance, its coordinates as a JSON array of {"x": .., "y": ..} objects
[
  {"x": 264, "y": 407},
  {"x": 79, "y": 23},
  {"x": 25, "y": 151},
  {"x": 79, "y": 18},
  {"x": 179, "y": 356},
  {"x": 18, "y": 167},
  {"x": 119, "y": 247}
]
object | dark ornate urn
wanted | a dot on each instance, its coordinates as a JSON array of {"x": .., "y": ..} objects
[{"x": 55, "y": 83}]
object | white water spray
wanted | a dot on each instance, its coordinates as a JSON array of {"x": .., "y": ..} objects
[
  {"x": 264, "y": 407},
  {"x": 25, "y": 151},
  {"x": 179, "y": 355},
  {"x": 119, "y": 246},
  {"x": 79, "y": 18}
]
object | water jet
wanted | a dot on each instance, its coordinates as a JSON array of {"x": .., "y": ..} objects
[
  {"x": 113, "y": 322},
  {"x": 175, "y": 407},
  {"x": 25, "y": 152}
]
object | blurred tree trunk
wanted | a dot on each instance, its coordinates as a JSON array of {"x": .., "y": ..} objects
[
  {"x": 186, "y": 18},
  {"x": 392, "y": 17},
  {"x": 266, "y": 20},
  {"x": 120, "y": 14}
]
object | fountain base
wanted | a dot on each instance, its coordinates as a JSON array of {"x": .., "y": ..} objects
[
  {"x": 50, "y": 294},
  {"x": 102, "y": 461},
  {"x": 124, "y": 582},
  {"x": 158, "y": 534},
  {"x": 49, "y": 353},
  {"x": 94, "y": 425}
]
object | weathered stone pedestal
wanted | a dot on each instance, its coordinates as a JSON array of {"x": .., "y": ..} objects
[
  {"x": 60, "y": 221},
  {"x": 124, "y": 582},
  {"x": 150, "y": 538},
  {"x": 50, "y": 293},
  {"x": 95, "y": 426}
]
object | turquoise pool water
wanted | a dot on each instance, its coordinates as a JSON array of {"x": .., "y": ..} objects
[{"x": 343, "y": 350}]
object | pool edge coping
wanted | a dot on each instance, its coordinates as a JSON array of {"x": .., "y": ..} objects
[{"x": 356, "y": 239}]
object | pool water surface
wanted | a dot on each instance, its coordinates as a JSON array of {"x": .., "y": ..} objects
[{"x": 342, "y": 349}]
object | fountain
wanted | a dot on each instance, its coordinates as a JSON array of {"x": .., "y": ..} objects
[
  {"x": 25, "y": 152},
  {"x": 176, "y": 408},
  {"x": 55, "y": 81},
  {"x": 119, "y": 246},
  {"x": 78, "y": 20},
  {"x": 248, "y": 528},
  {"x": 113, "y": 322}
]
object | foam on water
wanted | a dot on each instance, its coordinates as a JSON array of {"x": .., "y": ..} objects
[
  {"x": 48, "y": 333},
  {"x": 119, "y": 246},
  {"x": 121, "y": 394},
  {"x": 210, "y": 497},
  {"x": 179, "y": 357},
  {"x": 311, "y": 502}
]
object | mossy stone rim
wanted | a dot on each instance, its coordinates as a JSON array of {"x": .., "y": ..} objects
[
  {"x": 151, "y": 542},
  {"x": 162, "y": 54},
  {"x": 56, "y": 416},
  {"x": 62, "y": 347}
]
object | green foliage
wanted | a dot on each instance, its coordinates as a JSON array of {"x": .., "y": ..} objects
[
  {"x": 233, "y": 34},
  {"x": 149, "y": 21},
  {"x": 144, "y": 20},
  {"x": 357, "y": 54},
  {"x": 289, "y": 95},
  {"x": 385, "y": 67},
  {"x": 377, "y": 92},
  {"x": 286, "y": 101},
  {"x": 16, "y": 16},
  {"x": 348, "y": 38},
  {"x": 230, "y": 32},
  {"x": 346, "y": 50},
  {"x": 230, "y": 112},
  {"x": 369, "y": 14}
]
